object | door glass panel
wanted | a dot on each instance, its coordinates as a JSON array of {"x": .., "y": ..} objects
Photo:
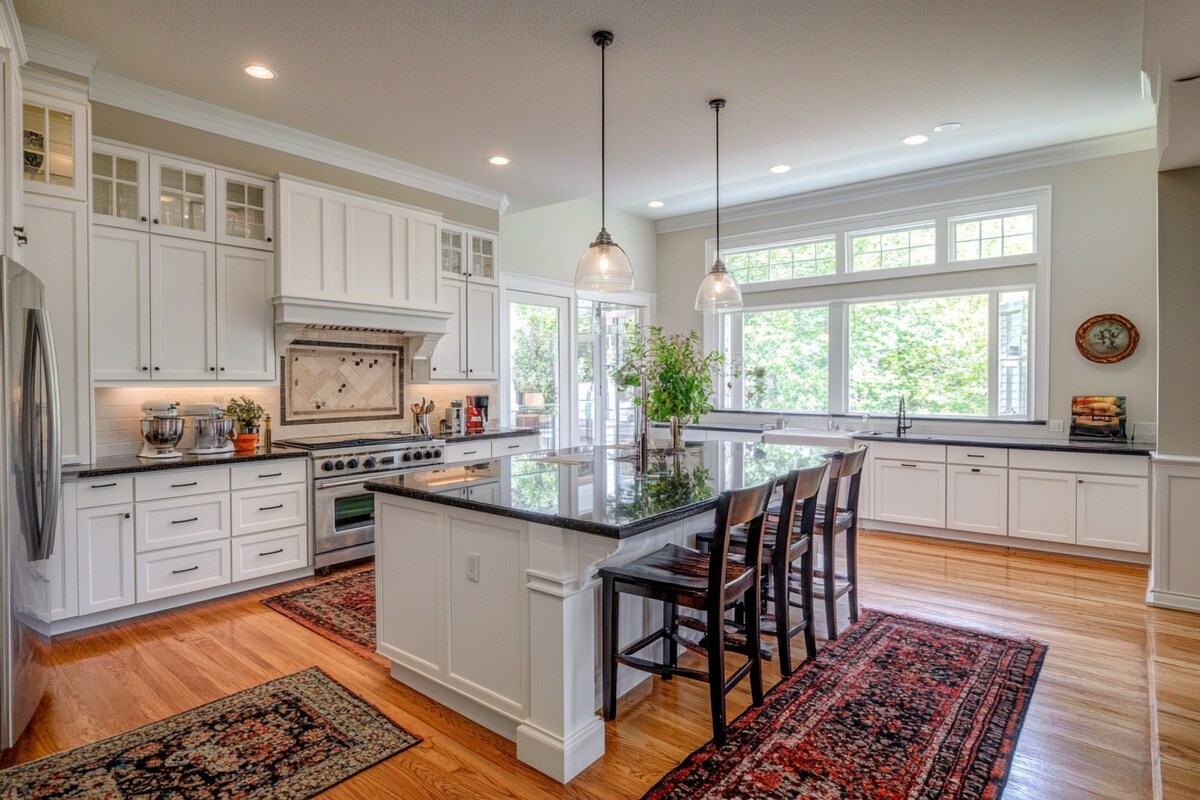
[
  {"x": 235, "y": 192},
  {"x": 537, "y": 334},
  {"x": 482, "y": 257},
  {"x": 34, "y": 142},
  {"x": 195, "y": 183},
  {"x": 452, "y": 252},
  {"x": 194, "y": 216},
  {"x": 102, "y": 196},
  {"x": 62, "y": 148},
  {"x": 172, "y": 178},
  {"x": 254, "y": 196},
  {"x": 172, "y": 209},
  {"x": 255, "y": 224},
  {"x": 127, "y": 200},
  {"x": 126, "y": 169},
  {"x": 102, "y": 164},
  {"x": 606, "y": 416}
]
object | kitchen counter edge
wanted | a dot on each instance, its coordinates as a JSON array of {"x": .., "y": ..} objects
[
  {"x": 1056, "y": 445},
  {"x": 121, "y": 465},
  {"x": 502, "y": 433}
]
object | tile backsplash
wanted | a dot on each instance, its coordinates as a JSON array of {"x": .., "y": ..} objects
[{"x": 119, "y": 411}]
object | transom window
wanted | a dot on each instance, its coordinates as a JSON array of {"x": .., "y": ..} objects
[
  {"x": 1010, "y": 234},
  {"x": 805, "y": 259},
  {"x": 892, "y": 249}
]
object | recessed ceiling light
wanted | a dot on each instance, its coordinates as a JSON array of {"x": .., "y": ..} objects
[
  {"x": 779, "y": 169},
  {"x": 947, "y": 127},
  {"x": 260, "y": 71},
  {"x": 918, "y": 138},
  {"x": 655, "y": 204},
  {"x": 499, "y": 161}
]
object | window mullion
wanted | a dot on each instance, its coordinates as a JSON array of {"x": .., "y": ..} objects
[
  {"x": 839, "y": 359},
  {"x": 993, "y": 354}
]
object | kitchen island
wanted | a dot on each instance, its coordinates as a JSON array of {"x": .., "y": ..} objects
[{"x": 486, "y": 587}]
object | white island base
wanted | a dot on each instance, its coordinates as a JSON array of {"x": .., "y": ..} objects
[{"x": 499, "y": 619}]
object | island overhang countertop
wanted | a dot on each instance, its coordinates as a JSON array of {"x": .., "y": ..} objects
[{"x": 550, "y": 486}]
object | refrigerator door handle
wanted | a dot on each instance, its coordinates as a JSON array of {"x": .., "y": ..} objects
[{"x": 39, "y": 351}]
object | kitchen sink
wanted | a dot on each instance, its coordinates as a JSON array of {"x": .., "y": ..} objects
[{"x": 814, "y": 438}]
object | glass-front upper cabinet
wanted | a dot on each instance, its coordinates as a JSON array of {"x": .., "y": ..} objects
[
  {"x": 120, "y": 187},
  {"x": 483, "y": 257},
  {"x": 453, "y": 262},
  {"x": 181, "y": 198},
  {"x": 53, "y": 143},
  {"x": 248, "y": 208}
]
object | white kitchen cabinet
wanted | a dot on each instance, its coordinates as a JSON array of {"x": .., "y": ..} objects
[
  {"x": 178, "y": 570},
  {"x": 245, "y": 318},
  {"x": 181, "y": 520},
  {"x": 11, "y": 156},
  {"x": 54, "y": 146},
  {"x": 470, "y": 351},
  {"x": 471, "y": 451},
  {"x": 57, "y": 252},
  {"x": 514, "y": 445},
  {"x": 183, "y": 309},
  {"x": 64, "y": 561},
  {"x": 181, "y": 198},
  {"x": 165, "y": 308},
  {"x": 336, "y": 246},
  {"x": 449, "y": 358},
  {"x": 909, "y": 484},
  {"x": 468, "y": 253},
  {"x": 1041, "y": 505},
  {"x": 1111, "y": 511},
  {"x": 247, "y": 208},
  {"x": 105, "y": 557},
  {"x": 977, "y": 499},
  {"x": 120, "y": 186}
]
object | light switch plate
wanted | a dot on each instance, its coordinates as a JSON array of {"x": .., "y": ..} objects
[
  {"x": 1054, "y": 425},
  {"x": 473, "y": 567}
]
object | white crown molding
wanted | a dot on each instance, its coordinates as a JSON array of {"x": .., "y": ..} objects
[
  {"x": 10, "y": 32},
  {"x": 59, "y": 52},
  {"x": 161, "y": 104},
  {"x": 1100, "y": 147}
]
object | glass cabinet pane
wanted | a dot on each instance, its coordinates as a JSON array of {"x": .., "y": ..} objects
[
  {"x": 61, "y": 153},
  {"x": 452, "y": 252},
  {"x": 102, "y": 196},
  {"x": 483, "y": 261},
  {"x": 115, "y": 183},
  {"x": 127, "y": 201},
  {"x": 245, "y": 210},
  {"x": 34, "y": 119},
  {"x": 126, "y": 169}
]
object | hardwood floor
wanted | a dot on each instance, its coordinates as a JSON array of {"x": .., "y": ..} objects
[{"x": 1088, "y": 733}]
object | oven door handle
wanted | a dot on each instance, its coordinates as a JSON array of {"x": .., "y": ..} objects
[{"x": 360, "y": 479}]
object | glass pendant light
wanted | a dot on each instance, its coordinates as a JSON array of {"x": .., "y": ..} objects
[
  {"x": 719, "y": 291},
  {"x": 604, "y": 267}
]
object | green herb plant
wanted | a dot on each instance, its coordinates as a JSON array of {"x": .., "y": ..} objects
[
  {"x": 247, "y": 413},
  {"x": 678, "y": 376}
]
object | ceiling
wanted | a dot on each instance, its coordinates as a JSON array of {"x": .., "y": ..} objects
[{"x": 827, "y": 86}]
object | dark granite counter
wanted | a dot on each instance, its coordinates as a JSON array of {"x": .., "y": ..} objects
[
  {"x": 116, "y": 465},
  {"x": 598, "y": 490},
  {"x": 498, "y": 433},
  {"x": 1120, "y": 448}
]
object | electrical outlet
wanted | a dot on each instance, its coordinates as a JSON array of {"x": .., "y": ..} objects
[
  {"x": 1054, "y": 425},
  {"x": 473, "y": 567}
]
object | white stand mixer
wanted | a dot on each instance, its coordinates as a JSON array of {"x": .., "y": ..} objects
[
  {"x": 214, "y": 431},
  {"x": 161, "y": 429}
]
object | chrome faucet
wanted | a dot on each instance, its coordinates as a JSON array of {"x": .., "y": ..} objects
[{"x": 903, "y": 423}]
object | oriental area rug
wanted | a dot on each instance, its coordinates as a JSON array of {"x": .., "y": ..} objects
[
  {"x": 342, "y": 610},
  {"x": 895, "y": 708},
  {"x": 288, "y": 739}
]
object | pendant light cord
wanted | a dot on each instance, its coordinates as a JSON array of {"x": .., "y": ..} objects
[
  {"x": 717, "y": 105},
  {"x": 603, "y": 127}
]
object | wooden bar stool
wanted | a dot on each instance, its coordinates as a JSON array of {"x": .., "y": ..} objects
[
  {"x": 679, "y": 576},
  {"x": 832, "y": 520}
]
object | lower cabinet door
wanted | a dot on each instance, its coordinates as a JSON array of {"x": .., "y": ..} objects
[
  {"x": 1041, "y": 505},
  {"x": 178, "y": 570},
  {"x": 1112, "y": 511},
  {"x": 977, "y": 499},
  {"x": 267, "y": 553},
  {"x": 912, "y": 492},
  {"x": 104, "y": 549}
]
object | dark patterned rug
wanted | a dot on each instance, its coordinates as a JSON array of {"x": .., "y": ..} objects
[
  {"x": 342, "y": 610},
  {"x": 288, "y": 739},
  {"x": 895, "y": 708}
]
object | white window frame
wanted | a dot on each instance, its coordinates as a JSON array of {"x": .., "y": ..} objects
[{"x": 1003, "y": 273}]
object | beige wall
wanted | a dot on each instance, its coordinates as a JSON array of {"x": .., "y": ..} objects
[
  {"x": 547, "y": 242},
  {"x": 1103, "y": 253},
  {"x": 1179, "y": 311},
  {"x": 139, "y": 130}
]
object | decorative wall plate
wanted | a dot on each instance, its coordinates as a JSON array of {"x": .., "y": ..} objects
[{"x": 1106, "y": 338}]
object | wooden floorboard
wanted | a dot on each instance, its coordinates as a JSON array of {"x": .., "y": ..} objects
[{"x": 1087, "y": 733}]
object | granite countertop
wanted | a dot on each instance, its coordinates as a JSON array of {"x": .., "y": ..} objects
[
  {"x": 599, "y": 490},
  {"x": 1122, "y": 448},
  {"x": 117, "y": 465},
  {"x": 498, "y": 433}
]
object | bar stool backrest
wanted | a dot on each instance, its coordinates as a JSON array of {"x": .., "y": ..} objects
[
  {"x": 738, "y": 507},
  {"x": 800, "y": 484},
  {"x": 845, "y": 466}
]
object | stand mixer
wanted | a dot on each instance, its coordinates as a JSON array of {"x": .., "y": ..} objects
[
  {"x": 214, "y": 431},
  {"x": 161, "y": 428}
]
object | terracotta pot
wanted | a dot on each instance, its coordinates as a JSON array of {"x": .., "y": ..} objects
[{"x": 245, "y": 442}]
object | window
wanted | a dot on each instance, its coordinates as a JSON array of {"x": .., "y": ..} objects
[{"x": 941, "y": 308}]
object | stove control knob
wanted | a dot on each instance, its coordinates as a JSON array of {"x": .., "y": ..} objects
[
  {"x": 406, "y": 457},
  {"x": 416, "y": 454},
  {"x": 369, "y": 463},
  {"x": 437, "y": 453},
  {"x": 327, "y": 466},
  {"x": 352, "y": 463},
  {"x": 340, "y": 465},
  {"x": 429, "y": 454}
]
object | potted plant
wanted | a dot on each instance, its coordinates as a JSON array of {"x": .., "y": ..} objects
[
  {"x": 675, "y": 376},
  {"x": 248, "y": 415}
]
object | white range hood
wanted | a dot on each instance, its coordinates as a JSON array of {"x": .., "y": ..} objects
[{"x": 298, "y": 317}]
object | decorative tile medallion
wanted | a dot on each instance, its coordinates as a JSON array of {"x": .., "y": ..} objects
[{"x": 336, "y": 382}]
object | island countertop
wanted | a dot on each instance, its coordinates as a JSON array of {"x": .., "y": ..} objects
[{"x": 600, "y": 490}]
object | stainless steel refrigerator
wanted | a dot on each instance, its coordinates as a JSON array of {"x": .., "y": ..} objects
[{"x": 31, "y": 465}]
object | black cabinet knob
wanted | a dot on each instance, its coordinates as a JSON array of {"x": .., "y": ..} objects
[
  {"x": 156, "y": 220},
  {"x": 144, "y": 219},
  {"x": 269, "y": 239},
  {"x": 156, "y": 369}
]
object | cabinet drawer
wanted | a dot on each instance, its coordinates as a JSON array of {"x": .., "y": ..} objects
[
  {"x": 468, "y": 451},
  {"x": 908, "y": 451},
  {"x": 519, "y": 444},
  {"x": 94, "y": 492},
  {"x": 167, "y": 523},
  {"x": 977, "y": 456},
  {"x": 268, "y": 473},
  {"x": 1100, "y": 463},
  {"x": 270, "y": 552},
  {"x": 181, "y": 483},
  {"x": 257, "y": 510},
  {"x": 182, "y": 569}
]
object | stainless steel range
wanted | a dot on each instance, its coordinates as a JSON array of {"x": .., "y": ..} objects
[{"x": 344, "y": 514}]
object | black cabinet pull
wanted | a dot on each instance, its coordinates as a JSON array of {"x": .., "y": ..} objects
[
  {"x": 270, "y": 508},
  {"x": 156, "y": 369},
  {"x": 974, "y": 455},
  {"x": 126, "y": 515},
  {"x": 907, "y": 465},
  {"x": 269, "y": 239},
  {"x": 975, "y": 469},
  {"x": 181, "y": 571},
  {"x": 143, "y": 219},
  {"x": 271, "y": 475},
  {"x": 212, "y": 369},
  {"x": 20, "y": 233},
  {"x": 145, "y": 369},
  {"x": 469, "y": 452},
  {"x": 272, "y": 552},
  {"x": 513, "y": 446},
  {"x": 156, "y": 220},
  {"x": 181, "y": 521},
  {"x": 103, "y": 485},
  {"x": 181, "y": 485}
]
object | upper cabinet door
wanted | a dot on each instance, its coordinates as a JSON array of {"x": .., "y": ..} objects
[
  {"x": 483, "y": 258},
  {"x": 183, "y": 309},
  {"x": 181, "y": 198},
  {"x": 453, "y": 257},
  {"x": 247, "y": 208},
  {"x": 54, "y": 146},
  {"x": 120, "y": 187}
]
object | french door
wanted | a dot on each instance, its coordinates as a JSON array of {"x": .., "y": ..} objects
[
  {"x": 606, "y": 416},
  {"x": 538, "y": 328}
]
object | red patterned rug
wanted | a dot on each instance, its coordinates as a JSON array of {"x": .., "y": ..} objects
[
  {"x": 342, "y": 610},
  {"x": 895, "y": 708},
  {"x": 289, "y": 739}
]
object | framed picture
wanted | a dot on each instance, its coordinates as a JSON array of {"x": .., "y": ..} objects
[{"x": 1098, "y": 417}]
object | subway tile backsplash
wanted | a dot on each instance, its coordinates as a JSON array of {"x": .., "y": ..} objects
[{"x": 119, "y": 411}]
